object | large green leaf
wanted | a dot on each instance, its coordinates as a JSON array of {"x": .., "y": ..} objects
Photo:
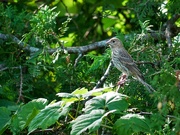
[
  {"x": 80, "y": 91},
  {"x": 131, "y": 123},
  {"x": 110, "y": 100},
  {"x": 98, "y": 92},
  {"x": 65, "y": 95},
  {"x": 4, "y": 118},
  {"x": 91, "y": 121},
  {"x": 76, "y": 95},
  {"x": 26, "y": 113},
  {"x": 48, "y": 116}
]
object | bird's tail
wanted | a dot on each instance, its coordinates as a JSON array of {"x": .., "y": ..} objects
[{"x": 149, "y": 87}]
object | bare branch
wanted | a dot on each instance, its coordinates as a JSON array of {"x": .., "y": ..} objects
[
  {"x": 21, "y": 44},
  {"x": 171, "y": 29},
  {"x": 103, "y": 78},
  {"x": 83, "y": 49},
  {"x": 78, "y": 50}
]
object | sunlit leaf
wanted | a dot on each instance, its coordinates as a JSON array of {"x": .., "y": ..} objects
[
  {"x": 65, "y": 95},
  {"x": 98, "y": 92},
  {"x": 80, "y": 91}
]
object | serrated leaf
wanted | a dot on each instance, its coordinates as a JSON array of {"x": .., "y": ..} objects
[
  {"x": 48, "y": 116},
  {"x": 4, "y": 118},
  {"x": 116, "y": 101},
  {"x": 26, "y": 113},
  {"x": 110, "y": 100},
  {"x": 80, "y": 91},
  {"x": 91, "y": 121},
  {"x": 76, "y": 95},
  {"x": 93, "y": 104},
  {"x": 98, "y": 92},
  {"x": 131, "y": 123},
  {"x": 65, "y": 95}
]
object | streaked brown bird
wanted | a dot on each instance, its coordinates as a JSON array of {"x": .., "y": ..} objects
[{"x": 124, "y": 62}]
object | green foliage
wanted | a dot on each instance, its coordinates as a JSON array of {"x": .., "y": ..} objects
[
  {"x": 37, "y": 114},
  {"x": 98, "y": 61},
  {"x": 12, "y": 20},
  {"x": 5, "y": 118}
]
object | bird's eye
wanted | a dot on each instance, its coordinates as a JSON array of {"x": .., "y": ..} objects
[{"x": 113, "y": 41}]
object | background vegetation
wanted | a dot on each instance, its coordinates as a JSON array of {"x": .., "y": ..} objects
[{"x": 56, "y": 75}]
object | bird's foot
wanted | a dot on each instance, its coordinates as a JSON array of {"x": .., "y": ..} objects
[{"x": 122, "y": 80}]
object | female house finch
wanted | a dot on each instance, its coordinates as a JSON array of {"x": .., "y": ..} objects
[{"x": 124, "y": 62}]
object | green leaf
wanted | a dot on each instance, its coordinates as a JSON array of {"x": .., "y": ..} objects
[
  {"x": 131, "y": 123},
  {"x": 108, "y": 22},
  {"x": 98, "y": 92},
  {"x": 110, "y": 100},
  {"x": 116, "y": 101},
  {"x": 65, "y": 95},
  {"x": 4, "y": 118},
  {"x": 8, "y": 104},
  {"x": 91, "y": 121},
  {"x": 76, "y": 95},
  {"x": 48, "y": 116},
  {"x": 26, "y": 113},
  {"x": 80, "y": 91}
]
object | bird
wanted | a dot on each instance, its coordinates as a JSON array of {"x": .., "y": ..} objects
[{"x": 125, "y": 63}]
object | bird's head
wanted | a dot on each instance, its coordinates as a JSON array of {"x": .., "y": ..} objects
[{"x": 114, "y": 42}]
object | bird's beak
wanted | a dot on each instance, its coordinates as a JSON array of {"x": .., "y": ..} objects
[{"x": 108, "y": 42}]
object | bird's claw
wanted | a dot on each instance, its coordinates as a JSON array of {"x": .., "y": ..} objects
[{"x": 122, "y": 80}]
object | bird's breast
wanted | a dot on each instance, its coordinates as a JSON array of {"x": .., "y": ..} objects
[{"x": 118, "y": 64}]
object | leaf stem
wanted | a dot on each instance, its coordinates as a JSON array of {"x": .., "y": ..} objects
[
  {"x": 77, "y": 110},
  {"x": 106, "y": 126}
]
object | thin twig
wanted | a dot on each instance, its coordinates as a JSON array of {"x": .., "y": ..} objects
[
  {"x": 45, "y": 130},
  {"x": 150, "y": 113},
  {"x": 2, "y": 68},
  {"x": 77, "y": 59},
  {"x": 21, "y": 86},
  {"x": 5, "y": 68}
]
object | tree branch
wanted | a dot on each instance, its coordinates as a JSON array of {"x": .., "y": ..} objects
[
  {"x": 21, "y": 44},
  {"x": 76, "y": 50},
  {"x": 156, "y": 35},
  {"x": 103, "y": 78},
  {"x": 171, "y": 29}
]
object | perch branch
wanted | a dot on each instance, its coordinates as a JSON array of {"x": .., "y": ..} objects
[{"x": 103, "y": 78}]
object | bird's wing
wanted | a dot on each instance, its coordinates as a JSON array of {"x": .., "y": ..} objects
[
  {"x": 124, "y": 57},
  {"x": 128, "y": 62}
]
